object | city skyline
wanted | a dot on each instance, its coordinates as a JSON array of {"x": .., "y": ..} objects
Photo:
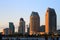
[
  {"x": 50, "y": 26},
  {"x": 12, "y": 11}
]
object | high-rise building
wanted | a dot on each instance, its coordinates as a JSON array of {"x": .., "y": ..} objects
[
  {"x": 34, "y": 23},
  {"x": 21, "y": 28},
  {"x": 11, "y": 26},
  {"x": 7, "y": 31},
  {"x": 50, "y": 21}
]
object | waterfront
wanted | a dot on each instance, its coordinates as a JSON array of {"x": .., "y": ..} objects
[{"x": 30, "y": 38}]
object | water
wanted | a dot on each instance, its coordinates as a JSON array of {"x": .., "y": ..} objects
[
  {"x": 15, "y": 38},
  {"x": 30, "y": 38}
]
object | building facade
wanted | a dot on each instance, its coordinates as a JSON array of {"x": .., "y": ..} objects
[
  {"x": 42, "y": 28},
  {"x": 50, "y": 21},
  {"x": 34, "y": 23},
  {"x": 28, "y": 29},
  {"x": 21, "y": 28},
  {"x": 11, "y": 26},
  {"x": 7, "y": 31}
]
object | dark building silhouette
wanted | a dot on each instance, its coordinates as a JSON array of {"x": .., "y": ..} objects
[
  {"x": 28, "y": 29},
  {"x": 34, "y": 23},
  {"x": 57, "y": 32},
  {"x": 42, "y": 28},
  {"x": 21, "y": 28},
  {"x": 11, "y": 26},
  {"x": 50, "y": 21},
  {"x": 0, "y": 36}
]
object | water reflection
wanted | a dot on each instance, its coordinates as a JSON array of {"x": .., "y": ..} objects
[
  {"x": 12, "y": 38},
  {"x": 42, "y": 38}
]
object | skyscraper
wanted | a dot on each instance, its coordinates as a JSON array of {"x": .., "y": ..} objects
[
  {"x": 11, "y": 26},
  {"x": 50, "y": 21},
  {"x": 21, "y": 28},
  {"x": 34, "y": 23}
]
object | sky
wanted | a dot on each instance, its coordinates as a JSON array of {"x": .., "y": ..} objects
[{"x": 13, "y": 10}]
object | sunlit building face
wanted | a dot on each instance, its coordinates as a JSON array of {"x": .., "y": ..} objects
[
  {"x": 50, "y": 21},
  {"x": 34, "y": 23}
]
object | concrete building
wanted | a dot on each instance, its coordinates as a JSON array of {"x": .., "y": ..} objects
[
  {"x": 11, "y": 26},
  {"x": 7, "y": 31},
  {"x": 21, "y": 28},
  {"x": 50, "y": 21},
  {"x": 34, "y": 23}
]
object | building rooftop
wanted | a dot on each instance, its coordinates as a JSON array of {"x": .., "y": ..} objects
[
  {"x": 21, "y": 19},
  {"x": 6, "y": 29},
  {"x": 11, "y": 22},
  {"x": 34, "y": 14},
  {"x": 51, "y": 10}
]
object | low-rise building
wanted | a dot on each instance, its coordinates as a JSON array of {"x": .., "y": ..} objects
[{"x": 7, "y": 31}]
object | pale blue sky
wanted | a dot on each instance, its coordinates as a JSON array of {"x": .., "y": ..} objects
[{"x": 13, "y": 10}]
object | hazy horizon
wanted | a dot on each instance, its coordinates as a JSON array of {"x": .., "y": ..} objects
[{"x": 13, "y": 10}]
